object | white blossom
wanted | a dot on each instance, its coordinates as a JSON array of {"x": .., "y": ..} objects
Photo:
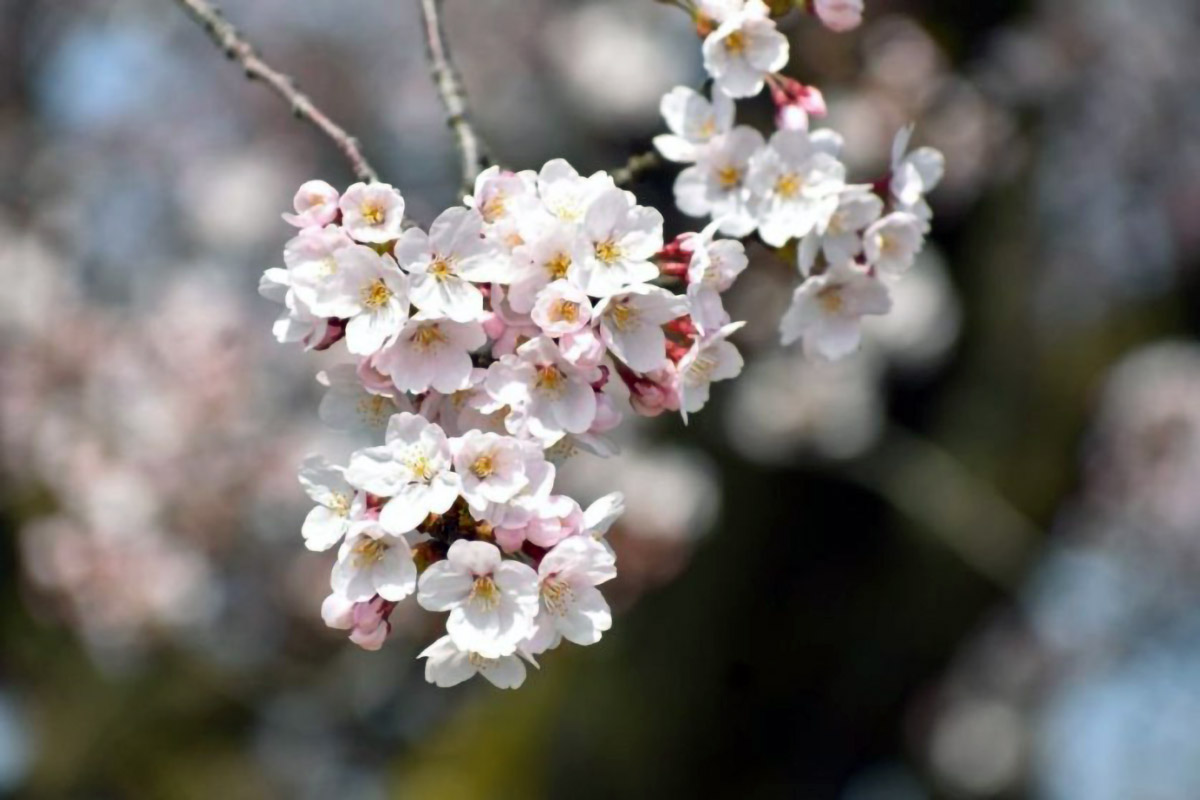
[
  {"x": 501, "y": 195},
  {"x": 347, "y": 405},
  {"x": 570, "y": 605},
  {"x": 914, "y": 175},
  {"x": 445, "y": 265},
  {"x": 558, "y": 251},
  {"x": 561, "y": 308},
  {"x": 316, "y": 204},
  {"x": 716, "y": 263},
  {"x": 743, "y": 50},
  {"x": 631, "y": 324},
  {"x": 826, "y": 310},
  {"x": 549, "y": 396},
  {"x": 314, "y": 274},
  {"x": 622, "y": 238},
  {"x": 798, "y": 184},
  {"x": 711, "y": 357},
  {"x": 716, "y": 184},
  {"x": 492, "y": 601},
  {"x": 840, "y": 238},
  {"x": 600, "y": 516},
  {"x": 431, "y": 353},
  {"x": 448, "y": 665},
  {"x": 372, "y": 213},
  {"x": 373, "y": 562},
  {"x": 693, "y": 121},
  {"x": 379, "y": 292},
  {"x": 337, "y": 503},
  {"x": 297, "y": 323},
  {"x": 493, "y": 468},
  {"x": 412, "y": 468},
  {"x": 892, "y": 243},
  {"x": 565, "y": 194}
]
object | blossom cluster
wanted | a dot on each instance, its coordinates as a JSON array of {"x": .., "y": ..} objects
[
  {"x": 516, "y": 332},
  {"x": 850, "y": 241}
]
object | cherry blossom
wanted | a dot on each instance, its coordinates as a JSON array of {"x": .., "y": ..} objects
[
  {"x": 316, "y": 204},
  {"x": 372, "y": 213},
  {"x": 826, "y": 310},
  {"x": 716, "y": 184},
  {"x": 431, "y": 353},
  {"x": 622, "y": 237},
  {"x": 693, "y": 121},
  {"x": 492, "y": 601},
  {"x": 373, "y": 562},
  {"x": 743, "y": 50},
  {"x": 337, "y": 503},
  {"x": 447, "y": 665},
  {"x": 412, "y": 468},
  {"x": 840, "y": 237},
  {"x": 798, "y": 183},
  {"x": 892, "y": 243},
  {"x": 549, "y": 396},
  {"x": 631, "y": 324},
  {"x": 571, "y": 606}
]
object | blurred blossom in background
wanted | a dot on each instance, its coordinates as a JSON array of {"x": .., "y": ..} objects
[{"x": 962, "y": 564}]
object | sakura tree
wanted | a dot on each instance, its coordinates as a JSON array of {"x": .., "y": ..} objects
[{"x": 521, "y": 327}]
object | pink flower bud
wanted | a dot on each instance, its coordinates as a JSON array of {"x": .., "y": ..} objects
[
  {"x": 839, "y": 15},
  {"x": 373, "y": 640},
  {"x": 654, "y": 393}
]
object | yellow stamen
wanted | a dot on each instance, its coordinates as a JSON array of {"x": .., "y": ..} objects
[
  {"x": 340, "y": 504},
  {"x": 376, "y": 294},
  {"x": 493, "y": 209},
  {"x": 608, "y": 251},
  {"x": 485, "y": 593},
  {"x": 420, "y": 467},
  {"x": 557, "y": 266},
  {"x": 372, "y": 213},
  {"x": 557, "y": 596},
  {"x": 369, "y": 551},
  {"x": 440, "y": 269},
  {"x": 831, "y": 299},
  {"x": 729, "y": 177},
  {"x": 428, "y": 336},
  {"x": 550, "y": 378},
  {"x": 788, "y": 185},
  {"x": 622, "y": 315},
  {"x": 735, "y": 43},
  {"x": 483, "y": 467},
  {"x": 567, "y": 311}
]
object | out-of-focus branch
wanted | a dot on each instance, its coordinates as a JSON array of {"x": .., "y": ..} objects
[
  {"x": 637, "y": 165},
  {"x": 454, "y": 97},
  {"x": 966, "y": 514},
  {"x": 236, "y": 48}
]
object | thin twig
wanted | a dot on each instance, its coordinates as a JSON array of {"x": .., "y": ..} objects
[
  {"x": 454, "y": 97},
  {"x": 236, "y": 48},
  {"x": 635, "y": 167}
]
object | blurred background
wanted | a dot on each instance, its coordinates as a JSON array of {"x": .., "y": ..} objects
[{"x": 964, "y": 564}]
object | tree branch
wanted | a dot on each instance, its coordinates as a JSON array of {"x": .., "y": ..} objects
[
  {"x": 236, "y": 48},
  {"x": 454, "y": 98},
  {"x": 637, "y": 165}
]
